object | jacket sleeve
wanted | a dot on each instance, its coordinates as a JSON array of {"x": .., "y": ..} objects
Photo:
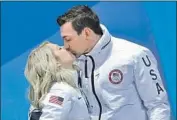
[
  {"x": 150, "y": 87},
  {"x": 34, "y": 113},
  {"x": 56, "y": 105}
]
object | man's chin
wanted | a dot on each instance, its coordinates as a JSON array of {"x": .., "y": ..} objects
[
  {"x": 77, "y": 56},
  {"x": 74, "y": 54}
]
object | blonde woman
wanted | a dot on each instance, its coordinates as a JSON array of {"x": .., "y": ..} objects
[{"x": 53, "y": 94}]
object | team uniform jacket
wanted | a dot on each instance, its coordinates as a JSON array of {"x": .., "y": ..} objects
[
  {"x": 122, "y": 82},
  {"x": 63, "y": 102}
]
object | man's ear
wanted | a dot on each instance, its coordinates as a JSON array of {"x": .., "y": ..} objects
[{"x": 87, "y": 32}]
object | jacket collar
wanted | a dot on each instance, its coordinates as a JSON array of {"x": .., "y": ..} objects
[{"x": 102, "y": 43}]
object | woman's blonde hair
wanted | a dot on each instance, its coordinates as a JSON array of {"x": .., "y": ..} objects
[{"x": 42, "y": 70}]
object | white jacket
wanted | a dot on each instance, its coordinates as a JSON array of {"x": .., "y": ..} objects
[
  {"x": 63, "y": 102},
  {"x": 122, "y": 82}
]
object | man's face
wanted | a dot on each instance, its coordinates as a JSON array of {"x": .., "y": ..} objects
[{"x": 76, "y": 44}]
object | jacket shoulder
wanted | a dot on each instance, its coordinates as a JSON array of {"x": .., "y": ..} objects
[
  {"x": 127, "y": 47},
  {"x": 59, "y": 90},
  {"x": 62, "y": 87}
]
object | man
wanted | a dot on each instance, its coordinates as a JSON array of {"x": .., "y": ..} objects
[{"x": 120, "y": 79}]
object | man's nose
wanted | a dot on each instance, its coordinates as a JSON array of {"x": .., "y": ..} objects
[{"x": 66, "y": 46}]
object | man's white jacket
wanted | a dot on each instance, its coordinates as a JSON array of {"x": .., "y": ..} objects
[{"x": 122, "y": 82}]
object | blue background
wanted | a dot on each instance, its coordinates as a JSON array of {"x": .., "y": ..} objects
[{"x": 25, "y": 24}]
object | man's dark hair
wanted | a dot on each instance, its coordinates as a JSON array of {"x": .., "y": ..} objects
[{"x": 81, "y": 16}]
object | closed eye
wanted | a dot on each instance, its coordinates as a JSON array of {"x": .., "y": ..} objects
[{"x": 67, "y": 40}]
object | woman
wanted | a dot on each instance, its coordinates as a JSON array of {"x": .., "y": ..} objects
[{"x": 53, "y": 93}]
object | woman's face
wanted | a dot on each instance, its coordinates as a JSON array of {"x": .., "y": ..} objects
[{"x": 63, "y": 56}]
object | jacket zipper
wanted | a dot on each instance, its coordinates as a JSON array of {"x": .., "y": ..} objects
[{"x": 93, "y": 86}]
